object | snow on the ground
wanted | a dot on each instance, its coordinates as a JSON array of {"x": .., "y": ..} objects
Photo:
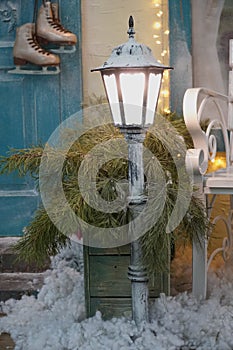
[{"x": 55, "y": 320}]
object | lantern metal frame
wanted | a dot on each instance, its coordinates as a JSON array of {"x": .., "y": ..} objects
[
  {"x": 132, "y": 58},
  {"x": 146, "y": 71}
]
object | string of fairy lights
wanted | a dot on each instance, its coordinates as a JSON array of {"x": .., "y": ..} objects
[{"x": 161, "y": 37}]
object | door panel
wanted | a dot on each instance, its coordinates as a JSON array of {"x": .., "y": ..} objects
[
  {"x": 180, "y": 51},
  {"x": 31, "y": 107}
]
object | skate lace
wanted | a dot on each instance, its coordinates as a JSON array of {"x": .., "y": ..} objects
[
  {"x": 57, "y": 25},
  {"x": 34, "y": 44}
]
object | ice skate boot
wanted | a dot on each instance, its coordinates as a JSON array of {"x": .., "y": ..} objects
[
  {"x": 50, "y": 31},
  {"x": 56, "y": 18},
  {"x": 27, "y": 51}
]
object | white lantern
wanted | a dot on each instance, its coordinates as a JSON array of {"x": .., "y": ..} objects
[{"x": 132, "y": 78}]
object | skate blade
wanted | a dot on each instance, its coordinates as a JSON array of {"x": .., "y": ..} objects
[
  {"x": 48, "y": 70},
  {"x": 63, "y": 49}
]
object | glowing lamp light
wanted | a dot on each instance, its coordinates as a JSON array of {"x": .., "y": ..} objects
[
  {"x": 157, "y": 25},
  {"x": 132, "y": 78}
]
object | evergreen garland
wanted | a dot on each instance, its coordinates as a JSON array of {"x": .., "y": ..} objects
[{"x": 42, "y": 239}]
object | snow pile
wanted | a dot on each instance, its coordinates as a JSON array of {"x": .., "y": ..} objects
[
  {"x": 43, "y": 322},
  {"x": 56, "y": 321},
  {"x": 71, "y": 255}
]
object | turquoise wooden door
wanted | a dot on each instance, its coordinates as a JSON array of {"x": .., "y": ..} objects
[
  {"x": 180, "y": 40},
  {"x": 31, "y": 107}
]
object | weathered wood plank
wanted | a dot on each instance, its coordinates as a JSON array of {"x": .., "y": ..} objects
[
  {"x": 107, "y": 287},
  {"x": 123, "y": 250},
  {"x": 109, "y": 276}
]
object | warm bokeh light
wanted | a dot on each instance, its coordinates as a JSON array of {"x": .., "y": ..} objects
[
  {"x": 157, "y": 25},
  {"x": 217, "y": 163},
  {"x": 167, "y": 111},
  {"x": 165, "y": 93},
  {"x": 161, "y": 36},
  {"x": 157, "y": 3}
]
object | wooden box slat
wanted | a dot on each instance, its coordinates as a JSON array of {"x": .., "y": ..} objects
[
  {"x": 109, "y": 276},
  {"x": 107, "y": 287},
  {"x": 123, "y": 250}
]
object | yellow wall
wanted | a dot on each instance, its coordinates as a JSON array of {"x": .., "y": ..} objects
[{"x": 105, "y": 25}]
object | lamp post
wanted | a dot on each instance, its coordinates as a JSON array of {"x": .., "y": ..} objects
[{"x": 132, "y": 78}]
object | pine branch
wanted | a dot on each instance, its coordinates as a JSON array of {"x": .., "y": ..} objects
[
  {"x": 43, "y": 239},
  {"x": 21, "y": 160}
]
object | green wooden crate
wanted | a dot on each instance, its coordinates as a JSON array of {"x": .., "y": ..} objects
[{"x": 107, "y": 287}]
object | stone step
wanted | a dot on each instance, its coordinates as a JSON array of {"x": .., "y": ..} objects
[
  {"x": 16, "y": 284},
  {"x": 10, "y": 262},
  {"x": 18, "y": 277}
]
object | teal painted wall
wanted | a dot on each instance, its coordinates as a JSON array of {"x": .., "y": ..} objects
[
  {"x": 31, "y": 107},
  {"x": 180, "y": 51}
]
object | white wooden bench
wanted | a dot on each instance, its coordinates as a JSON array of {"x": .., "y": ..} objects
[{"x": 214, "y": 110}]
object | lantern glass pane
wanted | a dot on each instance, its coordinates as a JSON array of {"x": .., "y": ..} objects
[
  {"x": 111, "y": 88},
  {"x": 132, "y": 88},
  {"x": 154, "y": 84}
]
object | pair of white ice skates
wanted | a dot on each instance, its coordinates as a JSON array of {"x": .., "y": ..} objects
[{"x": 31, "y": 38}]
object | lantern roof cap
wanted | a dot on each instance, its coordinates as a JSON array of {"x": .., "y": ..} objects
[{"x": 131, "y": 55}]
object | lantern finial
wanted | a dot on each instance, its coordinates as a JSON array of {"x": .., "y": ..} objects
[{"x": 131, "y": 30}]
